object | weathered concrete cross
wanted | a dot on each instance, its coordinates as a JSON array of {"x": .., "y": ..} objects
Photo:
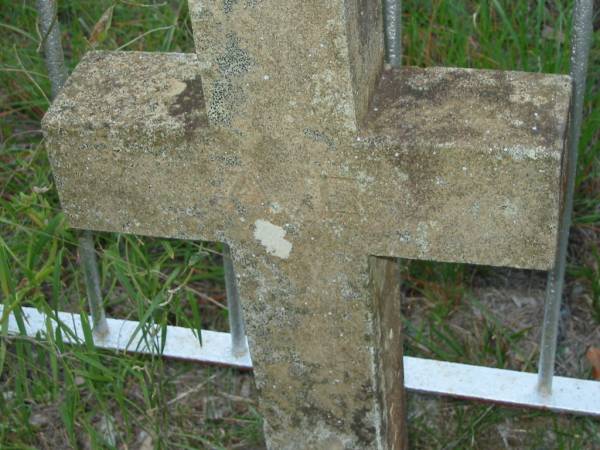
[{"x": 287, "y": 139}]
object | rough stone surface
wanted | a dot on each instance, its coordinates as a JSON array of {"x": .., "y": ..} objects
[
  {"x": 307, "y": 179},
  {"x": 450, "y": 164},
  {"x": 468, "y": 164},
  {"x": 270, "y": 62}
]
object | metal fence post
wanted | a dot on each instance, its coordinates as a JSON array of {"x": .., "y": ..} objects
[
  {"x": 87, "y": 253},
  {"x": 393, "y": 32},
  {"x": 57, "y": 72},
  {"x": 581, "y": 43},
  {"x": 236, "y": 318}
]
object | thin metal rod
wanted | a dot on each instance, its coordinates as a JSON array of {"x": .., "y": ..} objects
[
  {"x": 57, "y": 72},
  {"x": 239, "y": 346},
  {"x": 581, "y": 42},
  {"x": 87, "y": 253},
  {"x": 51, "y": 42},
  {"x": 393, "y": 32},
  {"x": 427, "y": 376}
]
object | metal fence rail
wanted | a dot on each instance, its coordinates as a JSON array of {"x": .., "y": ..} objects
[{"x": 426, "y": 376}]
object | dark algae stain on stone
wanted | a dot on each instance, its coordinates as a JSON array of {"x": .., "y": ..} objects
[
  {"x": 222, "y": 96},
  {"x": 413, "y": 83},
  {"x": 233, "y": 63},
  {"x": 235, "y": 60},
  {"x": 361, "y": 427},
  {"x": 189, "y": 106},
  {"x": 228, "y": 5},
  {"x": 319, "y": 136}
]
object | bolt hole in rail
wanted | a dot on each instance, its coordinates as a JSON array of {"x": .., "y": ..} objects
[{"x": 542, "y": 390}]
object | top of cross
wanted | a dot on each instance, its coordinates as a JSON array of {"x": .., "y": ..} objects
[{"x": 275, "y": 62}]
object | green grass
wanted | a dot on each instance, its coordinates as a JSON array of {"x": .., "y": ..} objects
[{"x": 58, "y": 396}]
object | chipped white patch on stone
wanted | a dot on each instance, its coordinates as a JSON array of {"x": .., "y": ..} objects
[
  {"x": 175, "y": 87},
  {"x": 520, "y": 97},
  {"x": 272, "y": 238}
]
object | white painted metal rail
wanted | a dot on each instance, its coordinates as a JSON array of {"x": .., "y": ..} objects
[
  {"x": 501, "y": 386},
  {"x": 126, "y": 335},
  {"x": 421, "y": 375}
]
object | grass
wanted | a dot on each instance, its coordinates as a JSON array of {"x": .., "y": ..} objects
[{"x": 56, "y": 396}]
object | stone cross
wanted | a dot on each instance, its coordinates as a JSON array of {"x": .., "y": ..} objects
[{"x": 288, "y": 139}]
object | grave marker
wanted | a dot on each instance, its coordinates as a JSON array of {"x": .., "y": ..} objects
[{"x": 286, "y": 139}]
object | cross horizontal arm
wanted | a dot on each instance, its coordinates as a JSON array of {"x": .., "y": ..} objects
[
  {"x": 146, "y": 161},
  {"x": 451, "y": 164}
]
